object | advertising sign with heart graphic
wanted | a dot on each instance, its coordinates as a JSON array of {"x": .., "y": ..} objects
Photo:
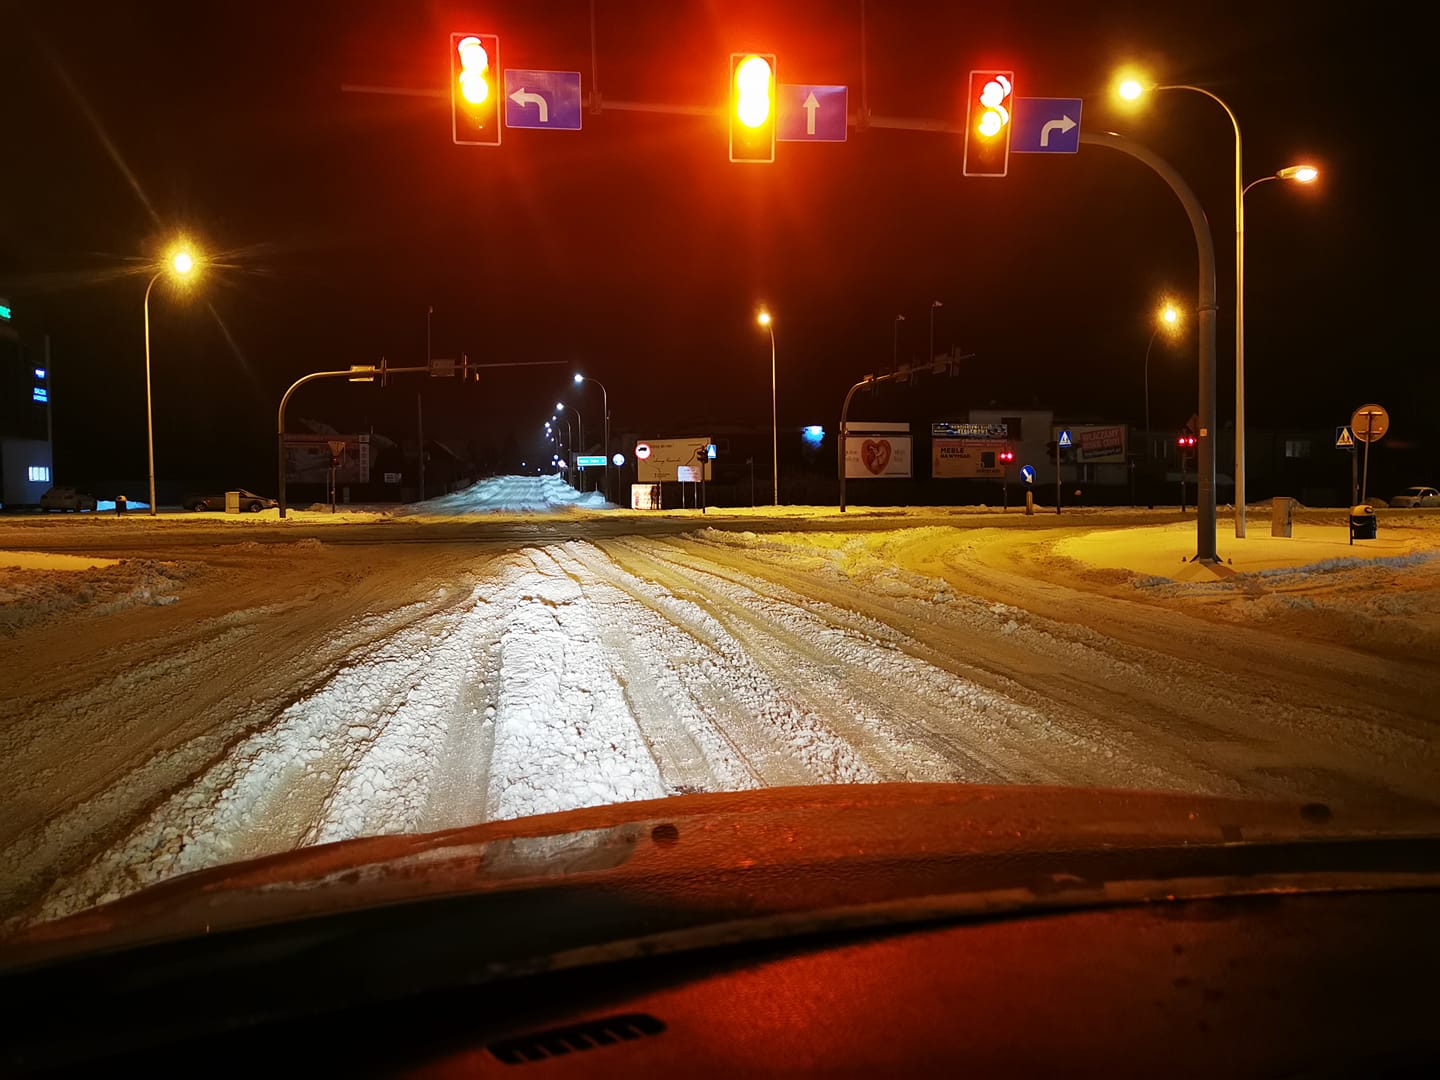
[{"x": 876, "y": 454}]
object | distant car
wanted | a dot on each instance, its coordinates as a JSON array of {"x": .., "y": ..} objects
[
  {"x": 249, "y": 502},
  {"x": 66, "y": 498},
  {"x": 1416, "y": 496}
]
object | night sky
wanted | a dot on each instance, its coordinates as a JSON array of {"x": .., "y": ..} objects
[{"x": 637, "y": 252}]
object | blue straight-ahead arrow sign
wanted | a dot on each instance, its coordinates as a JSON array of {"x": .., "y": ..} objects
[
  {"x": 811, "y": 113},
  {"x": 1045, "y": 126}
]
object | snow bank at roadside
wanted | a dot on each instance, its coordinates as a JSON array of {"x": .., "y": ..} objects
[
  {"x": 30, "y": 596},
  {"x": 514, "y": 495}
]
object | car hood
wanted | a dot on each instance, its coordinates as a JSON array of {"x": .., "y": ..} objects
[{"x": 714, "y": 858}]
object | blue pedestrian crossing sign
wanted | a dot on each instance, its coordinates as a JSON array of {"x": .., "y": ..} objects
[
  {"x": 1065, "y": 441},
  {"x": 1027, "y": 473}
]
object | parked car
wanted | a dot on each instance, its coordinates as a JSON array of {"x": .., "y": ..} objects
[
  {"x": 1417, "y": 496},
  {"x": 66, "y": 498},
  {"x": 249, "y": 502}
]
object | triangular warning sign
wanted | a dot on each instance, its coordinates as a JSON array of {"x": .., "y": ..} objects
[
  {"x": 1064, "y": 440},
  {"x": 1344, "y": 440}
]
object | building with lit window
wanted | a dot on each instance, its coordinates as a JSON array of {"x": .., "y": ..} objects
[{"x": 26, "y": 460}]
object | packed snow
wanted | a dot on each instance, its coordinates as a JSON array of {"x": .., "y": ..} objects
[
  {"x": 288, "y": 694},
  {"x": 514, "y": 495}
]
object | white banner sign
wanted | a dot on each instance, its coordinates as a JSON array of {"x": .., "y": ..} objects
[{"x": 666, "y": 457}]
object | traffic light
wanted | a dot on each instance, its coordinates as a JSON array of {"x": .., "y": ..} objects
[
  {"x": 752, "y": 107},
  {"x": 987, "y": 123},
  {"x": 475, "y": 89},
  {"x": 1186, "y": 442},
  {"x": 1007, "y": 456}
]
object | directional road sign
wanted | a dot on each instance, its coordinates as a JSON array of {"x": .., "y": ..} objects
[
  {"x": 1027, "y": 473},
  {"x": 1344, "y": 439},
  {"x": 590, "y": 461},
  {"x": 811, "y": 113},
  {"x": 542, "y": 99},
  {"x": 1045, "y": 126},
  {"x": 1065, "y": 440}
]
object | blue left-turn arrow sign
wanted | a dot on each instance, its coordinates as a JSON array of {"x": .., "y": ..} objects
[{"x": 543, "y": 99}]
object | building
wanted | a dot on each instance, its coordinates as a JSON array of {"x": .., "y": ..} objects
[{"x": 26, "y": 457}]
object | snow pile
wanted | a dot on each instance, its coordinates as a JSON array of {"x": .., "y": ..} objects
[
  {"x": 29, "y": 596},
  {"x": 515, "y": 495}
]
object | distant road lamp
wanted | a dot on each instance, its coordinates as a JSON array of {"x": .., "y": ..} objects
[
  {"x": 580, "y": 380},
  {"x": 895, "y": 344},
  {"x": 933, "y": 305},
  {"x": 579, "y": 431},
  {"x": 179, "y": 266},
  {"x": 1168, "y": 319},
  {"x": 767, "y": 322}
]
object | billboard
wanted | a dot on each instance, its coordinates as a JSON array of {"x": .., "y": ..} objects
[
  {"x": 966, "y": 458},
  {"x": 1098, "y": 443},
  {"x": 307, "y": 459},
  {"x": 874, "y": 449},
  {"x": 665, "y": 457},
  {"x": 967, "y": 451}
]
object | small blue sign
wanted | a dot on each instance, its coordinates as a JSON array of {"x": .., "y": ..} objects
[
  {"x": 543, "y": 99},
  {"x": 1065, "y": 441},
  {"x": 1027, "y": 473},
  {"x": 811, "y": 113},
  {"x": 1046, "y": 126},
  {"x": 1344, "y": 439}
]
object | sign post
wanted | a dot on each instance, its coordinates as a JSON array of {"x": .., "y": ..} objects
[
  {"x": 1063, "y": 443},
  {"x": 1369, "y": 423},
  {"x": 1345, "y": 440}
]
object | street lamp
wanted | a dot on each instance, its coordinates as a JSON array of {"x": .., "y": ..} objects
[
  {"x": 895, "y": 344},
  {"x": 579, "y": 381},
  {"x": 579, "y": 431},
  {"x": 180, "y": 265},
  {"x": 933, "y": 305},
  {"x": 1131, "y": 88},
  {"x": 767, "y": 322},
  {"x": 1168, "y": 319},
  {"x": 1301, "y": 174}
]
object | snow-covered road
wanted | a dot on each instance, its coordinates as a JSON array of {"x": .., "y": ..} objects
[{"x": 412, "y": 688}]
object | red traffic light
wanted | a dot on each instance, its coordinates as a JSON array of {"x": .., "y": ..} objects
[
  {"x": 1007, "y": 455},
  {"x": 987, "y": 123},
  {"x": 475, "y": 89},
  {"x": 752, "y": 107},
  {"x": 1186, "y": 441}
]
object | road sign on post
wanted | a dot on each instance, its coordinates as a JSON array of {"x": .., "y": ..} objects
[
  {"x": 1344, "y": 439},
  {"x": 812, "y": 113},
  {"x": 1046, "y": 126},
  {"x": 548, "y": 100},
  {"x": 1369, "y": 424}
]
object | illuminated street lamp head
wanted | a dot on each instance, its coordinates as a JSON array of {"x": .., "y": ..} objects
[
  {"x": 559, "y": 406},
  {"x": 1305, "y": 174},
  {"x": 763, "y": 318},
  {"x": 579, "y": 378},
  {"x": 1169, "y": 315},
  {"x": 182, "y": 262}
]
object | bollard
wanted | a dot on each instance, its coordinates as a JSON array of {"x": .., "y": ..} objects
[
  {"x": 120, "y": 505},
  {"x": 1029, "y": 503}
]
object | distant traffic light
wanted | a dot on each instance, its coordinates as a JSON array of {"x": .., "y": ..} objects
[
  {"x": 987, "y": 123},
  {"x": 752, "y": 107},
  {"x": 1186, "y": 441},
  {"x": 475, "y": 89},
  {"x": 1007, "y": 456}
]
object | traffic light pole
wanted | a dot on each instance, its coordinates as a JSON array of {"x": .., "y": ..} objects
[
  {"x": 1205, "y": 318},
  {"x": 362, "y": 373}
]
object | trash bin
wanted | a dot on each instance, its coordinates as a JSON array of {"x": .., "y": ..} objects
[
  {"x": 1282, "y": 516},
  {"x": 1362, "y": 522},
  {"x": 120, "y": 504}
]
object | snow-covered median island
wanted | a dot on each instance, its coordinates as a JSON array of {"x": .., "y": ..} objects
[{"x": 513, "y": 495}]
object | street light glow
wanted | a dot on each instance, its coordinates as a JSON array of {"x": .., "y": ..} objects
[
  {"x": 1170, "y": 315},
  {"x": 1130, "y": 89},
  {"x": 579, "y": 378},
  {"x": 1305, "y": 174},
  {"x": 763, "y": 318},
  {"x": 182, "y": 262}
]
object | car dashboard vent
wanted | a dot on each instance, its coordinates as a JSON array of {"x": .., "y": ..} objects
[{"x": 591, "y": 1035}]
